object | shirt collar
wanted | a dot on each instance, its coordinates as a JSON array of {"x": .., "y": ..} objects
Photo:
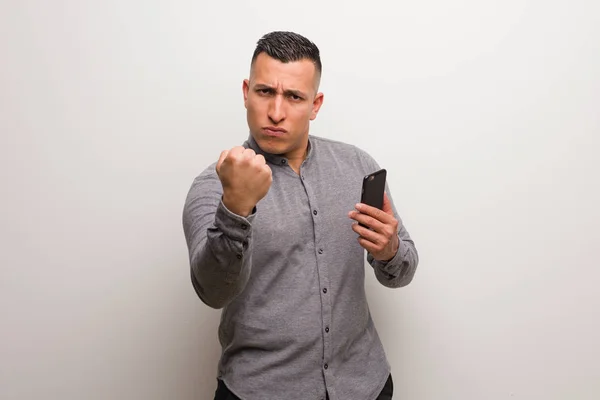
[{"x": 276, "y": 159}]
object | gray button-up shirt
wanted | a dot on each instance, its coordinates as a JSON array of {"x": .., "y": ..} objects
[{"x": 290, "y": 279}]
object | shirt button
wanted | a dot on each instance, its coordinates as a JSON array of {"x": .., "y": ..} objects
[
  {"x": 244, "y": 226},
  {"x": 326, "y": 366},
  {"x": 239, "y": 256},
  {"x": 283, "y": 161},
  {"x": 320, "y": 251},
  {"x": 326, "y": 329},
  {"x": 315, "y": 212},
  {"x": 324, "y": 289}
]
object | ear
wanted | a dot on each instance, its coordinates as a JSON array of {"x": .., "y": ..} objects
[
  {"x": 316, "y": 106},
  {"x": 245, "y": 89}
]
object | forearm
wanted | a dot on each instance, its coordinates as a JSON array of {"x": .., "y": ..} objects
[
  {"x": 400, "y": 270},
  {"x": 221, "y": 266},
  {"x": 219, "y": 243}
]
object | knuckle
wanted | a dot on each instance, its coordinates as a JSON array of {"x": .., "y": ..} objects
[{"x": 236, "y": 153}]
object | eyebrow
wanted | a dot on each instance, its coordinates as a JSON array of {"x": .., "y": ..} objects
[{"x": 288, "y": 92}]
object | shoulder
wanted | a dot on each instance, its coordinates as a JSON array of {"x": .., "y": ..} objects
[
  {"x": 209, "y": 174},
  {"x": 325, "y": 143},
  {"x": 345, "y": 152},
  {"x": 205, "y": 182}
]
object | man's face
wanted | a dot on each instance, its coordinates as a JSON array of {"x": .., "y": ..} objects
[{"x": 281, "y": 99}]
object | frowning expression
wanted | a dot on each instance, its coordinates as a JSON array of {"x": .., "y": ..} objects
[{"x": 281, "y": 99}]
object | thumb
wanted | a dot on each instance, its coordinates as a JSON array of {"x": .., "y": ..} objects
[{"x": 221, "y": 159}]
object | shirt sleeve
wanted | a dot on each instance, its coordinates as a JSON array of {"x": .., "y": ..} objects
[
  {"x": 219, "y": 242},
  {"x": 400, "y": 270}
]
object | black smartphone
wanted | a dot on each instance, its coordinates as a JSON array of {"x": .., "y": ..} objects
[{"x": 373, "y": 187}]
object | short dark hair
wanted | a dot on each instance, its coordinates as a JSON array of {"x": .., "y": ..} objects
[{"x": 287, "y": 47}]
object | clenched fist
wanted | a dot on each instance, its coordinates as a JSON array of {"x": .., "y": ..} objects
[{"x": 246, "y": 179}]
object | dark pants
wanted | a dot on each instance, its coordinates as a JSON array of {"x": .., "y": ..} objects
[{"x": 223, "y": 393}]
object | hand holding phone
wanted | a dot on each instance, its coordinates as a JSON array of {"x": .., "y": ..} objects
[
  {"x": 373, "y": 187},
  {"x": 381, "y": 240}
]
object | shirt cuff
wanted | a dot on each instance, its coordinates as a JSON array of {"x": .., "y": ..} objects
[
  {"x": 396, "y": 260},
  {"x": 234, "y": 226}
]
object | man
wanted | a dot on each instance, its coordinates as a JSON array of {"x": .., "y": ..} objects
[{"x": 274, "y": 240}]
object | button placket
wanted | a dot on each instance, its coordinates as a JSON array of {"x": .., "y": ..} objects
[{"x": 322, "y": 271}]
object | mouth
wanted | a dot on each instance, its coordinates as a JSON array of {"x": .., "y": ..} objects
[{"x": 273, "y": 131}]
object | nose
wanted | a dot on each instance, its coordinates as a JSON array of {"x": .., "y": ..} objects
[{"x": 276, "y": 110}]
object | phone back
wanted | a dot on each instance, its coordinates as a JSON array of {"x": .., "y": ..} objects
[{"x": 373, "y": 189}]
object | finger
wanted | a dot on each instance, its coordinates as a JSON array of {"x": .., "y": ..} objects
[
  {"x": 260, "y": 160},
  {"x": 374, "y": 212},
  {"x": 367, "y": 245},
  {"x": 369, "y": 235},
  {"x": 236, "y": 151},
  {"x": 248, "y": 154},
  {"x": 367, "y": 220},
  {"x": 384, "y": 231}
]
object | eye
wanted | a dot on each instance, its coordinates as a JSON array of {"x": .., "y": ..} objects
[
  {"x": 295, "y": 97},
  {"x": 264, "y": 91}
]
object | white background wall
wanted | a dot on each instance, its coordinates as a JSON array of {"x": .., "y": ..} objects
[{"x": 485, "y": 113}]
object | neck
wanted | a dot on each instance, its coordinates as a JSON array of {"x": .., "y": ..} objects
[
  {"x": 296, "y": 162},
  {"x": 296, "y": 158}
]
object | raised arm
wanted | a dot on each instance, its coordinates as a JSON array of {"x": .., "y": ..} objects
[{"x": 217, "y": 222}]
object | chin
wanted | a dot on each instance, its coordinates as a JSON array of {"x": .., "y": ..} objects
[{"x": 271, "y": 145}]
